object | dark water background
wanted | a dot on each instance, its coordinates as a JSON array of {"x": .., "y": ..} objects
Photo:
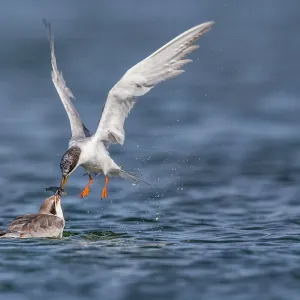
[{"x": 221, "y": 144}]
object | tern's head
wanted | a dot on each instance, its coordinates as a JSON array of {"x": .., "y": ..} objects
[
  {"x": 68, "y": 164},
  {"x": 51, "y": 206}
]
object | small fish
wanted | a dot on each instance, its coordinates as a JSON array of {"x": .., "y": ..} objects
[{"x": 56, "y": 189}]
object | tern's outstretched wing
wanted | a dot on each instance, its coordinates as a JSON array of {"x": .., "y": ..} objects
[
  {"x": 163, "y": 64},
  {"x": 77, "y": 127}
]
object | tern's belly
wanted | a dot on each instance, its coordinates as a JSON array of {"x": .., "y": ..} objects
[
  {"x": 92, "y": 168},
  {"x": 97, "y": 160}
]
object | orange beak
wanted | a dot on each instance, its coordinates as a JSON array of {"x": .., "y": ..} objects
[{"x": 63, "y": 182}]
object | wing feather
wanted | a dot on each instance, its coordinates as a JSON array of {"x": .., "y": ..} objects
[
  {"x": 77, "y": 127},
  {"x": 163, "y": 64},
  {"x": 35, "y": 225}
]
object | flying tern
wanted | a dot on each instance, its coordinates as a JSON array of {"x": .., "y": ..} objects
[{"x": 91, "y": 150}]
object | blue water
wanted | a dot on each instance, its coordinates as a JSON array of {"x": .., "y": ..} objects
[{"x": 220, "y": 144}]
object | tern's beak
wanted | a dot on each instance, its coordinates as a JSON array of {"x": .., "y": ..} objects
[{"x": 63, "y": 182}]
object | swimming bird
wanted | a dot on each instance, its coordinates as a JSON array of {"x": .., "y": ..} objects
[
  {"x": 91, "y": 150},
  {"x": 48, "y": 222}
]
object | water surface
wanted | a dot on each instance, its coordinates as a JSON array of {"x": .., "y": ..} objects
[{"x": 220, "y": 144}]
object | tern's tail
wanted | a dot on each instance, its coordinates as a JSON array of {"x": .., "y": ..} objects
[{"x": 131, "y": 177}]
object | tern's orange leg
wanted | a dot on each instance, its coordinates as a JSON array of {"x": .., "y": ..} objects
[
  {"x": 103, "y": 195},
  {"x": 85, "y": 191}
]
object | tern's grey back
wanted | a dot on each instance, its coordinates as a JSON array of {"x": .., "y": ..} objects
[{"x": 35, "y": 225}]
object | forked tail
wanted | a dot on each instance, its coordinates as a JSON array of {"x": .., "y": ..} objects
[{"x": 131, "y": 177}]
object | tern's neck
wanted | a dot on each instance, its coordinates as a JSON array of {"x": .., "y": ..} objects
[{"x": 59, "y": 211}]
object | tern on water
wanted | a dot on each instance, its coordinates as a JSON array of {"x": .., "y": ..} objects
[
  {"x": 91, "y": 151},
  {"x": 48, "y": 222}
]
